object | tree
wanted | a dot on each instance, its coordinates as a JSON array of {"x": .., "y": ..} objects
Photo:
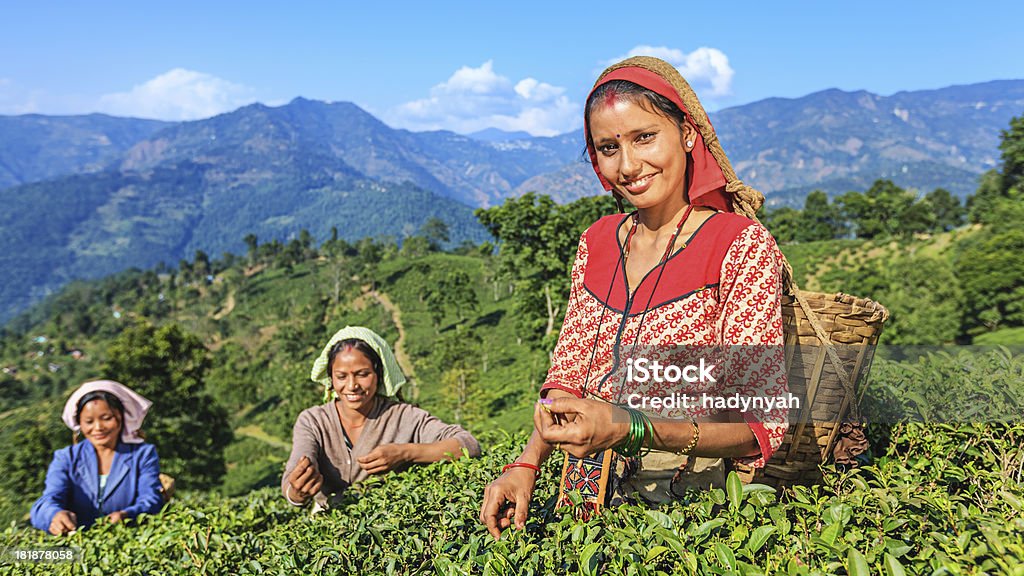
[
  {"x": 369, "y": 256},
  {"x": 949, "y": 212},
  {"x": 784, "y": 223},
  {"x": 982, "y": 202},
  {"x": 189, "y": 427},
  {"x": 991, "y": 267},
  {"x": 201, "y": 265},
  {"x": 1012, "y": 147},
  {"x": 924, "y": 298},
  {"x": 184, "y": 270},
  {"x": 416, "y": 247},
  {"x": 252, "y": 244},
  {"x": 25, "y": 453},
  {"x": 884, "y": 210},
  {"x": 435, "y": 231},
  {"x": 538, "y": 239},
  {"x": 457, "y": 357},
  {"x": 819, "y": 220},
  {"x": 917, "y": 218},
  {"x": 449, "y": 289}
]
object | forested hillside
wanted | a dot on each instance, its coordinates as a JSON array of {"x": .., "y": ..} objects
[
  {"x": 34, "y": 147},
  {"x": 88, "y": 196}
]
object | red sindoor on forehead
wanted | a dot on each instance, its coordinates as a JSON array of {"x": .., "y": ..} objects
[{"x": 610, "y": 98}]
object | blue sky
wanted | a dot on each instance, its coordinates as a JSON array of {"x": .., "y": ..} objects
[{"x": 468, "y": 65}]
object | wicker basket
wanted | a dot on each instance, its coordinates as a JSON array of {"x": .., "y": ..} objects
[{"x": 854, "y": 324}]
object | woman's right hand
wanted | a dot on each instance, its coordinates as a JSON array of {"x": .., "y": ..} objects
[
  {"x": 304, "y": 481},
  {"x": 507, "y": 500},
  {"x": 63, "y": 522}
]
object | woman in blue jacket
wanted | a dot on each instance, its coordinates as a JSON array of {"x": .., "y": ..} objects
[{"x": 115, "y": 474}]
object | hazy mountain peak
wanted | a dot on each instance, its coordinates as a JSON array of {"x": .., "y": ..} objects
[{"x": 498, "y": 135}]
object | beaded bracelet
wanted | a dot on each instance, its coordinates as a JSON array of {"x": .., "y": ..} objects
[{"x": 536, "y": 469}]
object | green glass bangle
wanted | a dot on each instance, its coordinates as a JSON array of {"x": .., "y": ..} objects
[
  {"x": 641, "y": 435},
  {"x": 647, "y": 440}
]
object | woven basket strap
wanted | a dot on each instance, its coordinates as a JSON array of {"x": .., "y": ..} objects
[
  {"x": 746, "y": 201},
  {"x": 830, "y": 349},
  {"x": 744, "y": 205}
]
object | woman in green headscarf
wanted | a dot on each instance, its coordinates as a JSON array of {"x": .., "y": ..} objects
[{"x": 362, "y": 428}]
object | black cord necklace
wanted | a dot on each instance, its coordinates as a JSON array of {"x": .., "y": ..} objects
[{"x": 623, "y": 259}]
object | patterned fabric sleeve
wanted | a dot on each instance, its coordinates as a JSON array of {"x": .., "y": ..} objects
[
  {"x": 567, "y": 360},
  {"x": 751, "y": 292}
]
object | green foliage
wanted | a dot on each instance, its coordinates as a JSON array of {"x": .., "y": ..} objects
[
  {"x": 970, "y": 385},
  {"x": 940, "y": 499},
  {"x": 537, "y": 240},
  {"x": 819, "y": 220},
  {"x": 923, "y": 295},
  {"x": 948, "y": 212},
  {"x": 436, "y": 232},
  {"x": 33, "y": 434},
  {"x": 449, "y": 289},
  {"x": 783, "y": 223},
  {"x": 982, "y": 205},
  {"x": 189, "y": 428},
  {"x": 924, "y": 298},
  {"x": 991, "y": 268},
  {"x": 1002, "y": 337},
  {"x": 1012, "y": 147},
  {"x": 938, "y": 496},
  {"x": 886, "y": 210}
]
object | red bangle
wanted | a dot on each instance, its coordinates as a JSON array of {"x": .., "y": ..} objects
[{"x": 536, "y": 469}]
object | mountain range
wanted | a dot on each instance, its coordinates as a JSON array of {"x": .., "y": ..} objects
[{"x": 90, "y": 195}]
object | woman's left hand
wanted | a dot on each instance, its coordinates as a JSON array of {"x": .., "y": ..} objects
[
  {"x": 116, "y": 517},
  {"x": 384, "y": 458},
  {"x": 581, "y": 427}
]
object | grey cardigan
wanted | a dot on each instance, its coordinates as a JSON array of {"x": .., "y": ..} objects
[{"x": 318, "y": 434}]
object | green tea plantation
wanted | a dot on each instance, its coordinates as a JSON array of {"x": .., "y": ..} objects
[{"x": 941, "y": 500}]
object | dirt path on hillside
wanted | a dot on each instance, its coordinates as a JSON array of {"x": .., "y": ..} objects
[
  {"x": 229, "y": 305},
  {"x": 396, "y": 315},
  {"x": 10, "y": 412},
  {"x": 255, "y": 432}
]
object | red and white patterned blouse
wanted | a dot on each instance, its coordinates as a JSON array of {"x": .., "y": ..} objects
[{"x": 723, "y": 289}]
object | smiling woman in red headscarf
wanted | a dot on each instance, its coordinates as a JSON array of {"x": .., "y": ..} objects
[{"x": 681, "y": 271}]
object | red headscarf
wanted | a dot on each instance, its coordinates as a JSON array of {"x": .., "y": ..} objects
[{"x": 707, "y": 183}]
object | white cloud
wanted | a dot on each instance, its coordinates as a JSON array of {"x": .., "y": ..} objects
[
  {"x": 178, "y": 94},
  {"x": 14, "y": 100},
  {"x": 472, "y": 99},
  {"x": 706, "y": 69}
]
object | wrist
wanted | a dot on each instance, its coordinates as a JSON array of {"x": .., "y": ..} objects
[
  {"x": 621, "y": 425},
  {"x": 408, "y": 453},
  {"x": 694, "y": 438},
  {"x": 288, "y": 497},
  {"x": 524, "y": 465}
]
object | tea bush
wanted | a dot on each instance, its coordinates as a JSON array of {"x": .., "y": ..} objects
[{"x": 941, "y": 500}]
